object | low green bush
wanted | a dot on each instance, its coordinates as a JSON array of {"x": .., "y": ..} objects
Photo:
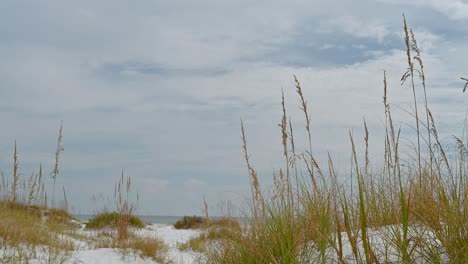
[
  {"x": 111, "y": 220},
  {"x": 189, "y": 222}
]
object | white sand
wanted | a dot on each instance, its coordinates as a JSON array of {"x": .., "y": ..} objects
[
  {"x": 89, "y": 255},
  {"x": 172, "y": 237},
  {"x": 383, "y": 249},
  {"x": 167, "y": 233}
]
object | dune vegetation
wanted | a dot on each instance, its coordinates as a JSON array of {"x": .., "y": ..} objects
[
  {"x": 35, "y": 227},
  {"x": 406, "y": 211},
  {"x": 31, "y": 224}
]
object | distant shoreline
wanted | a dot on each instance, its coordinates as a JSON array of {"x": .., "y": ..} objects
[{"x": 152, "y": 219}]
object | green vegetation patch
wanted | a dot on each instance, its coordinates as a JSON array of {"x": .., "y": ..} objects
[
  {"x": 189, "y": 222},
  {"x": 110, "y": 219}
]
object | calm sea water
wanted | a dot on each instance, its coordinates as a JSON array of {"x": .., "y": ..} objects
[{"x": 153, "y": 219}]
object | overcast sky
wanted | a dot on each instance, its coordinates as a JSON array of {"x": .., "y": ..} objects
[{"x": 158, "y": 88}]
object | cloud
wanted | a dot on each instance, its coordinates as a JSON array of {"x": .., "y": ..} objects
[
  {"x": 158, "y": 88},
  {"x": 453, "y": 9},
  {"x": 155, "y": 185},
  {"x": 137, "y": 68},
  {"x": 356, "y": 27}
]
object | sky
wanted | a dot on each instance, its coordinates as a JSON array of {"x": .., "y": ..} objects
[{"x": 158, "y": 88}]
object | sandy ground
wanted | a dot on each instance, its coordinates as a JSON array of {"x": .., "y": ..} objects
[
  {"x": 88, "y": 255},
  {"x": 383, "y": 249},
  {"x": 167, "y": 233}
]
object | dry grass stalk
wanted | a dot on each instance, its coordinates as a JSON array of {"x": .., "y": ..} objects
[
  {"x": 124, "y": 207},
  {"x": 292, "y": 160},
  {"x": 14, "y": 186},
  {"x": 257, "y": 199},
  {"x": 45, "y": 196},
  {"x": 410, "y": 73},
  {"x": 310, "y": 172},
  {"x": 32, "y": 188},
  {"x": 462, "y": 149},
  {"x": 391, "y": 138},
  {"x": 466, "y": 84},
  {"x": 293, "y": 147},
  {"x": 303, "y": 107},
  {"x": 205, "y": 209},
  {"x": 56, "y": 170},
  {"x": 303, "y": 102},
  {"x": 366, "y": 139},
  {"x": 23, "y": 187},
  {"x": 4, "y": 187},
  {"x": 440, "y": 147},
  {"x": 362, "y": 207},
  {"x": 65, "y": 200},
  {"x": 317, "y": 168},
  {"x": 40, "y": 185},
  {"x": 422, "y": 76},
  {"x": 283, "y": 125},
  {"x": 284, "y": 136}
]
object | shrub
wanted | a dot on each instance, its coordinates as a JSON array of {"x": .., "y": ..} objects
[
  {"x": 149, "y": 247},
  {"x": 111, "y": 220},
  {"x": 189, "y": 222}
]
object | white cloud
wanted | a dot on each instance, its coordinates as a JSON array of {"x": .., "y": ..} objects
[
  {"x": 357, "y": 27},
  {"x": 453, "y": 9},
  {"x": 155, "y": 185}
]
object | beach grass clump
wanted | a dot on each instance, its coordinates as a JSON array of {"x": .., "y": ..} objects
[
  {"x": 23, "y": 225},
  {"x": 122, "y": 217},
  {"x": 124, "y": 206},
  {"x": 151, "y": 247},
  {"x": 212, "y": 232},
  {"x": 111, "y": 219},
  {"x": 141, "y": 245},
  {"x": 29, "y": 227},
  {"x": 414, "y": 208},
  {"x": 29, "y": 232},
  {"x": 189, "y": 222}
]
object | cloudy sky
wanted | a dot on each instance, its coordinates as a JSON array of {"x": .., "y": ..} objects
[{"x": 158, "y": 88}]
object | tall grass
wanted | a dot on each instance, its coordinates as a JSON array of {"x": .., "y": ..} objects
[
  {"x": 56, "y": 169},
  {"x": 124, "y": 206},
  {"x": 28, "y": 228},
  {"x": 30, "y": 190},
  {"x": 31, "y": 231},
  {"x": 117, "y": 229},
  {"x": 405, "y": 212}
]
